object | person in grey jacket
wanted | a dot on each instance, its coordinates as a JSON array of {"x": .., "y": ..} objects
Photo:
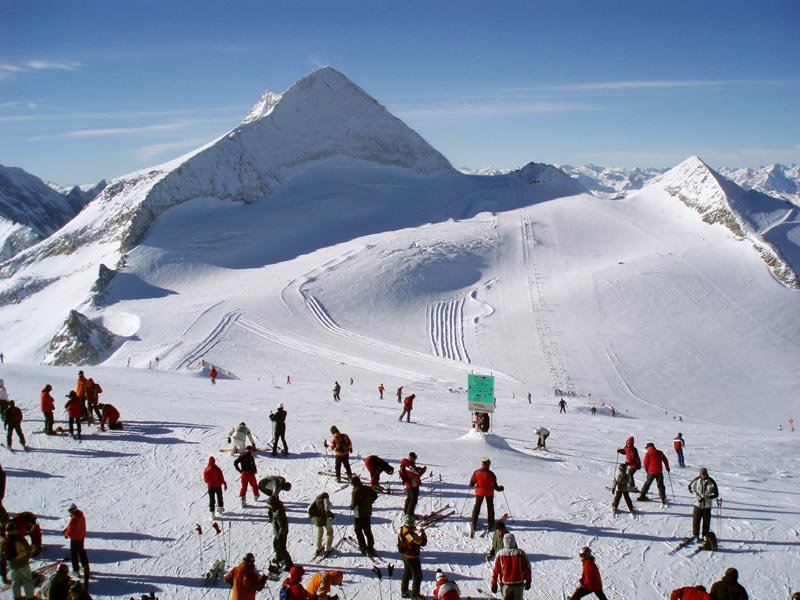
[
  {"x": 705, "y": 491},
  {"x": 321, "y": 515},
  {"x": 623, "y": 486}
]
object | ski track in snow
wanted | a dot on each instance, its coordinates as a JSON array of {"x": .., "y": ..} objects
[
  {"x": 213, "y": 338},
  {"x": 446, "y": 329}
]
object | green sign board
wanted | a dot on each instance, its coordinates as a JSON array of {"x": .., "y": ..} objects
[{"x": 481, "y": 389}]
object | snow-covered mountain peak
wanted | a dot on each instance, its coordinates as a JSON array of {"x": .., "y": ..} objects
[{"x": 263, "y": 107}]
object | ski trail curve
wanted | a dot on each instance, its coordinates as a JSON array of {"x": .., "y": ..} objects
[
  {"x": 211, "y": 340},
  {"x": 446, "y": 329}
]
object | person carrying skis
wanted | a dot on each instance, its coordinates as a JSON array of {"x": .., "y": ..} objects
[
  {"x": 542, "y": 433},
  {"x": 278, "y": 419},
  {"x": 57, "y": 585},
  {"x": 729, "y": 588},
  {"x": 408, "y": 406},
  {"x": 14, "y": 423},
  {"x": 109, "y": 416},
  {"x": 238, "y": 436},
  {"x": 631, "y": 457},
  {"x": 73, "y": 407},
  {"x": 276, "y": 514},
  {"x": 623, "y": 486},
  {"x": 485, "y": 483},
  {"x": 500, "y": 531},
  {"x": 562, "y": 406},
  {"x": 678, "y": 443},
  {"x": 212, "y": 375},
  {"x": 215, "y": 480},
  {"x": 342, "y": 447},
  {"x": 591, "y": 582},
  {"x": 400, "y": 394},
  {"x": 80, "y": 391},
  {"x": 381, "y": 389},
  {"x": 445, "y": 589},
  {"x": 375, "y": 466},
  {"x": 705, "y": 491},
  {"x": 93, "y": 391},
  {"x": 293, "y": 585},
  {"x": 322, "y": 516},
  {"x": 654, "y": 459},
  {"x": 47, "y": 406},
  {"x": 411, "y": 476},
  {"x": 319, "y": 586},
  {"x": 245, "y": 465},
  {"x": 245, "y": 579},
  {"x": 361, "y": 501},
  {"x": 336, "y": 389},
  {"x": 3, "y": 400},
  {"x": 512, "y": 569},
  {"x": 15, "y": 562},
  {"x": 695, "y": 592},
  {"x": 409, "y": 544},
  {"x": 273, "y": 485},
  {"x": 76, "y": 532}
]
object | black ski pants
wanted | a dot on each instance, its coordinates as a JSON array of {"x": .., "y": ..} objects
[
  {"x": 48, "y": 422},
  {"x": 280, "y": 436},
  {"x": 662, "y": 491},
  {"x": 582, "y": 591},
  {"x": 215, "y": 493},
  {"x": 11, "y": 429},
  {"x": 363, "y": 527},
  {"x": 476, "y": 511},
  {"x": 620, "y": 494},
  {"x": 282, "y": 556},
  {"x": 412, "y": 497},
  {"x": 704, "y": 515},
  {"x": 412, "y": 568},
  {"x": 77, "y": 422},
  {"x": 78, "y": 555},
  {"x": 407, "y": 414},
  {"x": 343, "y": 461}
]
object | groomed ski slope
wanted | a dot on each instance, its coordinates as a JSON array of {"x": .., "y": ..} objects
[{"x": 142, "y": 492}]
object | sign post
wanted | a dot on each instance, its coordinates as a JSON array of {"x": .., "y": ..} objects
[{"x": 480, "y": 393}]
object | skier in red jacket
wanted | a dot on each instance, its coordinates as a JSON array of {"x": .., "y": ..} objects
[
  {"x": 215, "y": 481},
  {"x": 590, "y": 583},
  {"x": 631, "y": 457},
  {"x": 653, "y": 461},
  {"x": 408, "y": 406},
  {"x": 411, "y": 475},
  {"x": 48, "y": 405},
  {"x": 512, "y": 568},
  {"x": 485, "y": 483},
  {"x": 696, "y": 592},
  {"x": 109, "y": 415}
]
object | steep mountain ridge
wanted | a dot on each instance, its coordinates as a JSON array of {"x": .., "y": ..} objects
[{"x": 746, "y": 213}]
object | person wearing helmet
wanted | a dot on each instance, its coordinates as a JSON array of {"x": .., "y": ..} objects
[
  {"x": 485, "y": 483},
  {"x": 409, "y": 544},
  {"x": 622, "y": 488},
  {"x": 591, "y": 582},
  {"x": 678, "y": 443},
  {"x": 294, "y": 584},
  {"x": 76, "y": 532},
  {"x": 278, "y": 419},
  {"x": 238, "y": 436},
  {"x": 445, "y": 589},
  {"x": 245, "y": 579},
  {"x": 342, "y": 447},
  {"x": 15, "y": 566},
  {"x": 512, "y": 570},
  {"x": 57, "y": 585},
  {"x": 411, "y": 476}
]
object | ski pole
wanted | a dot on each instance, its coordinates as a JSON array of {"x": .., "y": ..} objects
[
  {"x": 671, "y": 489},
  {"x": 464, "y": 506},
  {"x": 379, "y": 575},
  {"x": 510, "y": 514}
]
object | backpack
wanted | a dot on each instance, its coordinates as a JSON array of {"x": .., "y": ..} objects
[
  {"x": 313, "y": 510},
  {"x": 284, "y": 593},
  {"x": 710, "y": 541},
  {"x": 342, "y": 443}
]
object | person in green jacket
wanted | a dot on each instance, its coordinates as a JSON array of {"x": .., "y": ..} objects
[
  {"x": 280, "y": 532},
  {"x": 497, "y": 540}
]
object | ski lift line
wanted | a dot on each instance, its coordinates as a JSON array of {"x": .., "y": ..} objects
[{"x": 315, "y": 307}]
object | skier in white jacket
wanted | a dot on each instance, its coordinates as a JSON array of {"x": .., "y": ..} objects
[{"x": 238, "y": 436}]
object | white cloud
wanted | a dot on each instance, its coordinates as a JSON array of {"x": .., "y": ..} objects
[
  {"x": 19, "y": 104},
  {"x": 147, "y": 153},
  {"x": 28, "y": 66},
  {"x": 111, "y": 131}
]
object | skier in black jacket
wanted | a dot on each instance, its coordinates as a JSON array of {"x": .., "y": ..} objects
[
  {"x": 279, "y": 420},
  {"x": 361, "y": 502},
  {"x": 245, "y": 464}
]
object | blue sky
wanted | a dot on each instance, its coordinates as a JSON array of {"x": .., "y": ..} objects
[{"x": 96, "y": 89}]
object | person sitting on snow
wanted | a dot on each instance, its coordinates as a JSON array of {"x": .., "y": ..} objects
[{"x": 238, "y": 436}]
